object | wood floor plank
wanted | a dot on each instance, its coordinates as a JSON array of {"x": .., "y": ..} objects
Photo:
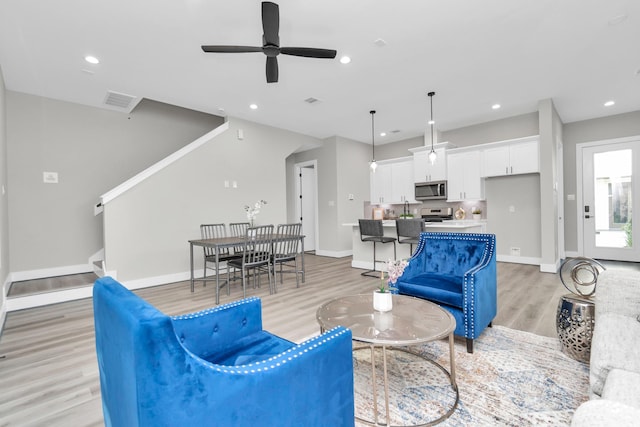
[{"x": 49, "y": 375}]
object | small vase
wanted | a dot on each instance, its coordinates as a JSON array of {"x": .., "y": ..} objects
[
  {"x": 477, "y": 216},
  {"x": 382, "y": 301}
]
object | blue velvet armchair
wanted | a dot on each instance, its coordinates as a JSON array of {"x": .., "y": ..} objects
[
  {"x": 215, "y": 367},
  {"x": 458, "y": 272}
]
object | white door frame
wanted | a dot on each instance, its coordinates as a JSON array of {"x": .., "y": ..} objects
[
  {"x": 579, "y": 184},
  {"x": 559, "y": 187},
  {"x": 298, "y": 166}
]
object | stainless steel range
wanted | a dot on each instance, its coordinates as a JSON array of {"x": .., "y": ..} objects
[{"x": 436, "y": 214}]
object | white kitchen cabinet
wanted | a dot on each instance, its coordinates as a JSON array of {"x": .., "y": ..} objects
[
  {"x": 463, "y": 176},
  {"x": 380, "y": 182},
  {"x": 392, "y": 182},
  {"x": 424, "y": 171},
  {"x": 511, "y": 158},
  {"x": 403, "y": 185}
]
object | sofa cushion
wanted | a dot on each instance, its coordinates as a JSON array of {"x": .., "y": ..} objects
[
  {"x": 601, "y": 412},
  {"x": 615, "y": 345},
  {"x": 618, "y": 291},
  {"x": 623, "y": 386},
  {"x": 438, "y": 288}
]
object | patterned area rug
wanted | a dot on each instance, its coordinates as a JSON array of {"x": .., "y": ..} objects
[{"x": 513, "y": 378}]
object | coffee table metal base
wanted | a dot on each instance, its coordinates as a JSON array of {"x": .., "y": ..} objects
[{"x": 450, "y": 376}]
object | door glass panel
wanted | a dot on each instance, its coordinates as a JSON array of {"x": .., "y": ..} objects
[{"x": 613, "y": 201}]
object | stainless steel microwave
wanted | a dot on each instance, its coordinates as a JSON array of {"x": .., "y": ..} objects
[{"x": 434, "y": 190}]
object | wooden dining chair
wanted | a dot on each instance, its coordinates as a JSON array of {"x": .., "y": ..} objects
[
  {"x": 285, "y": 251},
  {"x": 256, "y": 256}
]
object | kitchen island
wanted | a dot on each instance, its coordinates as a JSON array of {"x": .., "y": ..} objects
[{"x": 363, "y": 251}]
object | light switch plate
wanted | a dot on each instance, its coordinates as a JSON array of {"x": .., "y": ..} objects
[{"x": 50, "y": 177}]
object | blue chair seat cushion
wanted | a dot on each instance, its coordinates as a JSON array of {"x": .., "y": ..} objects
[
  {"x": 435, "y": 287},
  {"x": 252, "y": 348}
]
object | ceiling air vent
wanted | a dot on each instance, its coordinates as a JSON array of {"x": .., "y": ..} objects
[
  {"x": 119, "y": 100},
  {"x": 312, "y": 100}
]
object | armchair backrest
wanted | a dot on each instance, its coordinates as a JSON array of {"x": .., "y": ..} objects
[
  {"x": 124, "y": 324},
  {"x": 133, "y": 338},
  {"x": 452, "y": 254}
]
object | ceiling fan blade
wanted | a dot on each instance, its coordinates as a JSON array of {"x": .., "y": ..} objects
[
  {"x": 270, "y": 23},
  {"x": 308, "y": 52},
  {"x": 230, "y": 49},
  {"x": 272, "y": 69}
]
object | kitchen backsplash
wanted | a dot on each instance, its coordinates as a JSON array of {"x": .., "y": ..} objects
[{"x": 394, "y": 211}]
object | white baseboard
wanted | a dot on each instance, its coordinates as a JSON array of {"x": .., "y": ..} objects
[
  {"x": 334, "y": 254},
  {"x": 19, "y": 276},
  {"x": 47, "y": 298},
  {"x": 148, "y": 282},
  {"x": 3, "y": 314},
  {"x": 518, "y": 259}
]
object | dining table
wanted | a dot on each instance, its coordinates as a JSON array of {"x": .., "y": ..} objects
[{"x": 221, "y": 243}]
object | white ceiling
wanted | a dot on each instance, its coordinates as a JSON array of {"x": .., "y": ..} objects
[{"x": 472, "y": 53}]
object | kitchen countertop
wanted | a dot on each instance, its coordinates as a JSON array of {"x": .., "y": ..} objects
[{"x": 461, "y": 224}]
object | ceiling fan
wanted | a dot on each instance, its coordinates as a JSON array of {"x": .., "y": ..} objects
[{"x": 271, "y": 44}]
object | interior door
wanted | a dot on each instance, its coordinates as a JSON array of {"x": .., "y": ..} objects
[
  {"x": 609, "y": 188},
  {"x": 308, "y": 206}
]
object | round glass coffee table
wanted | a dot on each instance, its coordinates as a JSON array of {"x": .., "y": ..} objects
[{"x": 412, "y": 321}]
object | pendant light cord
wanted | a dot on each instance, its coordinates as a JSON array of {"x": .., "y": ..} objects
[
  {"x": 431, "y": 121},
  {"x": 373, "y": 140}
]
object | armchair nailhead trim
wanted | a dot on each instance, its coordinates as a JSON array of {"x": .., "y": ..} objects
[{"x": 214, "y": 309}]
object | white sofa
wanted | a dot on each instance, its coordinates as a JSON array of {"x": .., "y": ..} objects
[{"x": 615, "y": 353}]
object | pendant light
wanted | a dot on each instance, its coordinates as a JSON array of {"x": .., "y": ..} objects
[
  {"x": 432, "y": 155},
  {"x": 373, "y": 164}
]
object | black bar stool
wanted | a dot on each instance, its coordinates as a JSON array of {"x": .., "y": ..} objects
[
  {"x": 408, "y": 231},
  {"x": 371, "y": 231}
]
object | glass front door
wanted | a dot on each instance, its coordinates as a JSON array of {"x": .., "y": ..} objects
[{"x": 608, "y": 192}]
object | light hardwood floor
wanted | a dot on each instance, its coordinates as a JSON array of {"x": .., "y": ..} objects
[{"x": 48, "y": 369}]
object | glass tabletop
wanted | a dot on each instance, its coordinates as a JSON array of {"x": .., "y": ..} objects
[{"x": 411, "y": 321}]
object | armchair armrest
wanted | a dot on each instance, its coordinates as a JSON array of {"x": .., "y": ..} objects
[
  {"x": 218, "y": 329},
  {"x": 480, "y": 296},
  {"x": 310, "y": 384}
]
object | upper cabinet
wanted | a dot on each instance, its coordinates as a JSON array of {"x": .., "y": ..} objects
[
  {"x": 423, "y": 170},
  {"x": 512, "y": 157},
  {"x": 463, "y": 177},
  {"x": 392, "y": 182}
]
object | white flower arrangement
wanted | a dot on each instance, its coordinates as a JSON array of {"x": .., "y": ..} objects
[
  {"x": 253, "y": 211},
  {"x": 395, "y": 270}
]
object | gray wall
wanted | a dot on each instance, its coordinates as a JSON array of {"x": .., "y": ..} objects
[
  {"x": 342, "y": 170},
  {"x": 4, "y": 210},
  {"x": 93, "y": 150},
  {"x": 550, "y": 138},
  {"x": 396, "y": 149},
  {"x": 353, "y": 178},
  {"x": 326, "y": 176},
  {"x": 521, "y": 228},
  {"x": 497, "y": 130},
  {"x": 146, "y": 234},
  {"x": 611, "y": 127}
]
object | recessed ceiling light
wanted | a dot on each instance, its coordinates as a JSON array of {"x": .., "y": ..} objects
[
  {"x": 253, "y": 106},
  {"x": 496, "y": 106},
  {"x": 345, "y": 60},
  {"x": 380, "y": 42},
  {"x": 91, "y": 59},
  {"x": 609, "y": 103},
  {"x": 383, "y": 134}
]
